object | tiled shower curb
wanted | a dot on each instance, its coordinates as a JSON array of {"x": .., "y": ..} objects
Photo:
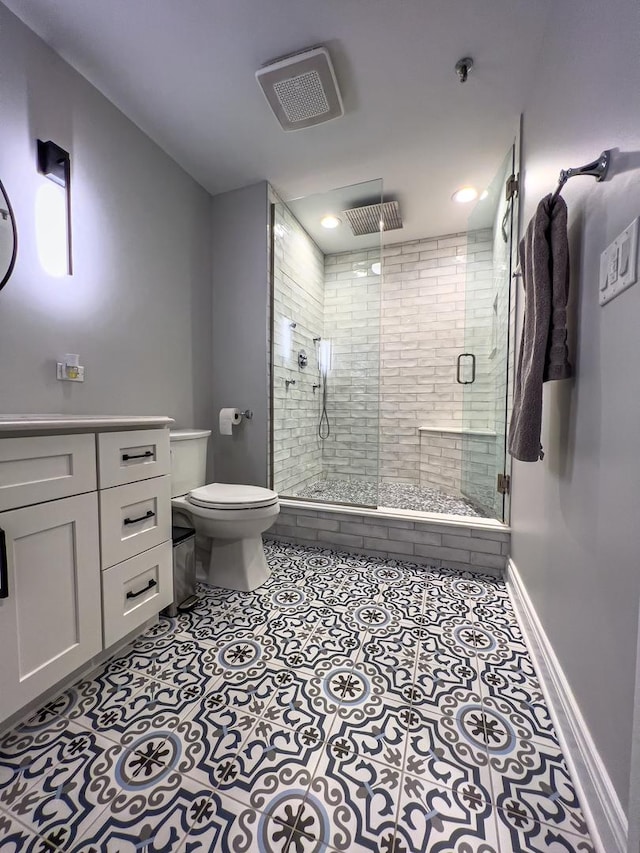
[{"x": 440, "y": 540}]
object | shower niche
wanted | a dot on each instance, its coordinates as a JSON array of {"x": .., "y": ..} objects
[{"x": 387, "y": 412}]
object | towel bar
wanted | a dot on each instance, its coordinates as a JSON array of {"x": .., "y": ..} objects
[{"x": 597, "y": 169}]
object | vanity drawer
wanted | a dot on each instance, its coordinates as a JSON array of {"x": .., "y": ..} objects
[
  {"x": 126, "y": 457},
  {"x": 43, "y": 468},
  {"x": 134, "y": 518},
  {"x": 135, "y": 590}
]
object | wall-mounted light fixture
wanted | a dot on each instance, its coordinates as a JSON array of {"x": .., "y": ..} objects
[{"x": 55, "y": 164}]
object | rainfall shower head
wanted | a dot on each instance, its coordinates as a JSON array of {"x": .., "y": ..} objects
[
  {"x": 371, "y": 218},
  {"x": 302, "y": 89}
]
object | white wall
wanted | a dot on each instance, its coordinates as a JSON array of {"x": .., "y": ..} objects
[
  {"x": 137, "y": 308},
  {"x": 575, "y": 515}
]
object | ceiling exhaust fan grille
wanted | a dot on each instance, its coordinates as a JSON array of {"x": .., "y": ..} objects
[
  {"x": 374, "y": 217},
  {"x": 302, "y": 89},
  {"x": 302, "y": 97}
]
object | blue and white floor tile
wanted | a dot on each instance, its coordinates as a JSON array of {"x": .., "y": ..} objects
[{"x": 350, "y": 703}]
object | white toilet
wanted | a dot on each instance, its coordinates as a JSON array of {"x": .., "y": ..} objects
[{"x": 234, "y": 517}]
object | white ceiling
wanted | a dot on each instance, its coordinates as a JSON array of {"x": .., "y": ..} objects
[{"x": 183, "y": 71}]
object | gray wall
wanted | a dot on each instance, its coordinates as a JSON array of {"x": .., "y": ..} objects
[
  {"x": 138, "y": 306},
  {"x": 239, "y": 374},
  {"x": 575, "y": 515}
]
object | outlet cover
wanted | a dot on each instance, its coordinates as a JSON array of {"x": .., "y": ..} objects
[{"x": 60, "y": 374}]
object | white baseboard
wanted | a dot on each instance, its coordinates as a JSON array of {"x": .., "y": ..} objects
[{"x": 601, "y": 806}]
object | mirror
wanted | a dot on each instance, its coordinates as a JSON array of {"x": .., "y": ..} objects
[{"x": 8, "y": 237}]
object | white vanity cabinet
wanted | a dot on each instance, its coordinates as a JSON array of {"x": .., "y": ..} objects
[
  {"x": 66, "y": 499},
  {"x": 50, "y": 615}
]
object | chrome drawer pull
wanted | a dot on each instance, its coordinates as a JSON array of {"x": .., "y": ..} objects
[
  {"x": 149, "y": 586},
  {"x": 148, "y": 514},
  {"x": 127, "y": 456}
]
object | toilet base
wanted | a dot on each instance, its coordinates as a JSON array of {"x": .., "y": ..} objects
[{"x": 238, "y": 564}]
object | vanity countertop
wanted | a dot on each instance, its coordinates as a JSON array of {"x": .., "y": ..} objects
[{"x": 57, "y": 422}]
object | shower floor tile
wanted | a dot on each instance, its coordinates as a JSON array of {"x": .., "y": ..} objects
[
  {"x": 392, "y": 495},
  {"x": 348, "y": 704}
]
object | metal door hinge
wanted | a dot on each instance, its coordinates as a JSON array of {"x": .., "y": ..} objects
[
  {"x": 512, "y": 187},
  {"x": 504, "y": 484}
]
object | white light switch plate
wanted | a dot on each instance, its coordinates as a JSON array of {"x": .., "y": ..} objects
[{"x": 619, "y": 264}]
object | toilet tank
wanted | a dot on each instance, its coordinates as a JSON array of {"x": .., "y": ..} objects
[{"x": 188, "y": 459}]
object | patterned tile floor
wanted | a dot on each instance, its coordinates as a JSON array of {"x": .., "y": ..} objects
[
  {"x": 392, "y": 495},
  {"x": 349, "y": 704}
]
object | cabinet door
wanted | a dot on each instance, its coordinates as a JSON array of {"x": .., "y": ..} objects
[{"x": 50, "y": 619}]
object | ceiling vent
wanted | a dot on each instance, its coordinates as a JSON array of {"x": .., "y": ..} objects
[
  {"x": 302, "y": 89},
  {"x": 374, "y": 217}
]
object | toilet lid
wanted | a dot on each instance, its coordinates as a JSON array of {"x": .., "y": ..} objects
[{"x": 231, "y": 496}]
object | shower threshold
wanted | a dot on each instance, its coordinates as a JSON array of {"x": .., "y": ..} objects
[
  {"x": 463, "y": 542},
  {"x": 392, "y": 496}
]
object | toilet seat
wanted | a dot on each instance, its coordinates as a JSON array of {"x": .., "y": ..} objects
[{"x": 229, "y": 496}]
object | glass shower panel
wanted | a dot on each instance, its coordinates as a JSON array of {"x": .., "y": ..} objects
[
  {"x": 483, "y": 367},
  {"x": 297, "y": 319},
  {"x": 326, "y": 349}
]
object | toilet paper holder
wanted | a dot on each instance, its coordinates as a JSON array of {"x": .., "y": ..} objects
[{"x": 248, "y": 414}]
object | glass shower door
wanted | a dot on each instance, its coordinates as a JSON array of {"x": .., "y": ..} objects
[
  {"x": 483, "y": 368},
  {"x": 325, "y": 369}
]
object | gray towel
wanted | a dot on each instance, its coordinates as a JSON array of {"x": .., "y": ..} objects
[{"x": 544, "y": 261}]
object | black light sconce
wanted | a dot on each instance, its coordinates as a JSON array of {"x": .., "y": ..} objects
[{"x": 54, "y": 163}]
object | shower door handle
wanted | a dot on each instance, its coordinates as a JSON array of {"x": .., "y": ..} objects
[
  {"x": 4, "y": 567},
  {"x": 459, "y": 378}
]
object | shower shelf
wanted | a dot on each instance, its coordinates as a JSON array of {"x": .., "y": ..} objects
[{"x": 458, "y": 430}]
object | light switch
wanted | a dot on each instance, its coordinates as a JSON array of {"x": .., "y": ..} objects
[
  {"x": 625, "y": 251},
  {"x": 619, "y": 264},
  {"x": 628, "y": 255},
  {"x": 612, "y": 275}
]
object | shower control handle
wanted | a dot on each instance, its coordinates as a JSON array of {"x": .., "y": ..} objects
[{"x": 459, "y": 378}]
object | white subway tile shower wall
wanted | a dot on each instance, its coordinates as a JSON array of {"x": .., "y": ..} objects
[
  {"x": 422, "y": 331},
  {"x": 298, "y": 269},
  {"x": 446, "y": 456},
  {"x": 395, "y": 340},
  {"x": 352, "y": 324}
]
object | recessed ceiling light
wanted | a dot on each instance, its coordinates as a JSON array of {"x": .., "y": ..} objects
[
  {"x": 465, "y": 194},
  {"x": 376, "y": 268},
  {"x": 329, "y": 221},
  {"x": 484, "y": 194}
]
